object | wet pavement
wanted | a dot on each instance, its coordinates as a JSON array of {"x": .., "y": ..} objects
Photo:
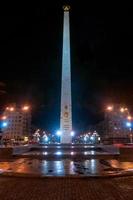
[
  {"x": 65, "y": 167},
  {"x": 67, "y": 160},
  {"x": 61, "y": 153},
  {"x": 75, "y": 171},
  {"x": 66, "y": 150}
]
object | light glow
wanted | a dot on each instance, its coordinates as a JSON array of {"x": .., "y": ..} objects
[
  {"x": 129, "y": 117},
  {"x": 92, "y": 152},
  {"x": 122, "y": 109},
  {"x": 85, "y": 138},
  {"x": 58, "y": 153},
  {"x": 85, "y": 153},
  {"x": 72, "y": 153},
  {"x": 72, "y": 133},
  {"x": 110, "y": 108},
  {"x": 11, "y": 109},
  {"x": 26, "y": 139},
  {"x": 99, "y": 138},
  {"x": 128, "y": 124},
  {"x": 92, "y": 137},
  {"x": 4, "y": 117},
  {"x": 25, "y": 108},
  {"x": 46, "y": 138},
  {"x": 58, "y": 133},
  {"x": 4, "y": 124}
]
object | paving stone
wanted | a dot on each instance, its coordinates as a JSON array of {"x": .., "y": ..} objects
[{"x": 66, "y": 189}]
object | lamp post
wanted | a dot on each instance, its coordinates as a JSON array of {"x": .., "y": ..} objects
[
  {"x": 72, "y": 135},
  {"x": 58, "y": 133},
  {"x": 131, "y": 138},
  {"x": 129, "y": 125},
  {"x": 131, "y": 135}
]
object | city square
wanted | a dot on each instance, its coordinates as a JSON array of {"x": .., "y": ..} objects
[{"x": 60, "y": 139}]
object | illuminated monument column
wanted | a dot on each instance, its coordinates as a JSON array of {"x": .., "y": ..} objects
[{"x": 66, "y": 111}]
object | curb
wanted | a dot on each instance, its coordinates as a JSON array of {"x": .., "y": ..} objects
[{"x": 24, "y": 175}]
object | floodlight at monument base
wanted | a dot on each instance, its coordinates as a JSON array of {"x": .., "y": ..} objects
[
  {"x": 128, "y": 124},
  {"x": 72, "y": 133},
  {"x": 58, "y": 133}
]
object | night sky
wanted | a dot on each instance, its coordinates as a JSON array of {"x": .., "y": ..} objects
[{"x": 101, "y": 59}]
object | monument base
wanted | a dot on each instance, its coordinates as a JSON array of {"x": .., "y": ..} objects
[{"x": 66, "y": 138}]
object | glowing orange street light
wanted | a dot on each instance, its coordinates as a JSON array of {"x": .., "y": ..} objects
[
  {"x": 122, "y": 109},
  {"x": 129, "y": 117},
  {"x": 4, "y": 117},
  {"x": 11, "y": 109},
  {"x": 25, "y": 108},
  {"x": 110, "y": 108},
  {"x": 26, "y": 139}
]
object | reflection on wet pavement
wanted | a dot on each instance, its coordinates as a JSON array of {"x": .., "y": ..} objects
[
  {"x": 65, "y": 167},
  {"x": 124, "y": 165},
  {"x": 59, "y": 153}
]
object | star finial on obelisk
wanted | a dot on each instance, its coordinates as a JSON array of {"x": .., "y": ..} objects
[{"x": 66, "y": 7}]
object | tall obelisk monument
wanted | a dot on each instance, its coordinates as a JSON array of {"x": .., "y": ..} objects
[{"x": 66, "y": 110}]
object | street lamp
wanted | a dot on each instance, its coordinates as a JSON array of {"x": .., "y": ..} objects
[
  {"x": 58, "y": 133},
  {"x": 46, "y": 138},
  {"x": 85, "y": 138},
  {"x": 4, "y": 117},
  {"x": 25, "y": 108},
  {"x": 11, "y": 109},
  {"x": 110, "y": 108},
  {"x": 129, "y": 117},
  {"x": 122, "y": 109},
  {"x": 4, "y": 124},
  {"x": 72, "y": 135},
  {"x": 129, "y": 125}
]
